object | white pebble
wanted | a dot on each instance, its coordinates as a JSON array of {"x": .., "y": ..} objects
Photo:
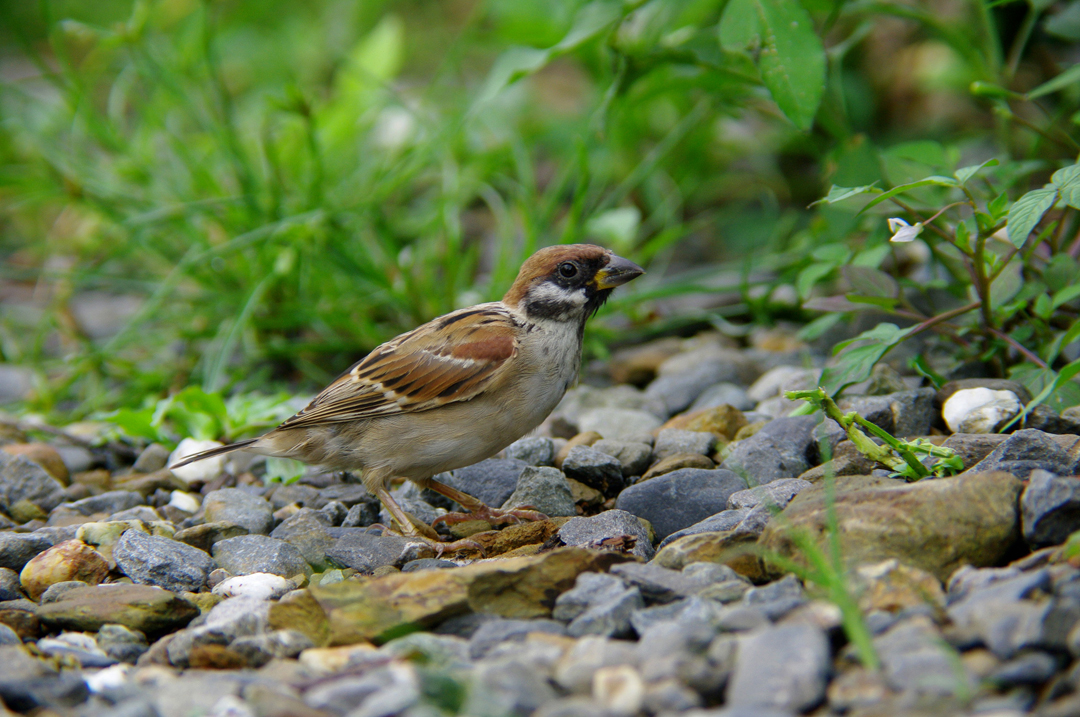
[
  {"x": 980, "y": 410},
  {"x": 110, "y": 678},
  {"x": 202, "y": 471},
  {"x": 261, "y": 586},
  {"x": 619, "y": 688},
  {"x": 182, "y": 500}
]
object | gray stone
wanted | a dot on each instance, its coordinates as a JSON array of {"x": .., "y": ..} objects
[
  {"x": 1032, "y": 668},
  {"x": 302, "y": 495},
  {"x": 362, "y": 515},
  {"x": 661, "y": 585},
  {"x": 152, "y": 458},
  {"x": 226, "y": 621},
  {"x": 778, "y": 493},
  {"x": 169, "y": 564},
  {"x": 121, "y": 643},
  {"x": 609, "y": 524},
  {"x": 673, "y": 440},
  {"x": 784, "y": 667},
  {"x": 279, "y": 644},
  {"x": 493, "y": 632},
  {"x": 635, "y": 458},
  {"x": 724, "y": 520},
  {"x": 998, "y": 616},
  {"x": 1050, "y": 508},
  {"x": 609, "y": 617},
  {"x": 247, "y": 554},
  {"x": 532, "y": 450},
  {"x": 589, "y": 589},
  {"x": 692, "y": 609},
  {"x": 544, "y": 489},
  {"x": 141, "y": 512},
  {"x": 349, "y": 494},
  {"x": 916, "y": 658},
  {"x": 595, "y": 469},
  {"x": 236, "y": 506},
  {"x": 437, "y": 651},
  {"x": 619, "y": 424},
  {"x": 335, "y": 512},
  {"x": 113, "y": 501},
  {"x": 491, "y": 481},
  {"x": 778, "y": 379},
  {"x": 575, "y": 670},
  {"x": 56, "y": 591},
  {"x": 913, "y": 412},
  {"x": 780, "y": 449},
  {"x": 501, "y": 687},
  {"x": 876, "y": 409},
  {"x": 683, "y": 378},
  {"x": 413, "y": 501},
  {"x": 427, "y": 564},
  {"x": 22, "y": 479},
  {"x": 777, "y": 598},
  {"x": 10, "y": 585},
  {"x": 679, "y": 650},
  {"x": 679, "y": 499},
  {"x": 8, "y": 636},
  {"x": 341, "y": 694},
  {"x": 363, "y": 551},
  {"x": 721, "y": 394},
  {"x": 1025, "y": 451},
  {"x": 307, "y": 529},
  {"x": 76, "y": 646}
]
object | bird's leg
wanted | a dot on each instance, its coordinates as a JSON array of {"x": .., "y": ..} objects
[
  {"x": 477, "y": 509},
  {"x": 413, "y": 529}
]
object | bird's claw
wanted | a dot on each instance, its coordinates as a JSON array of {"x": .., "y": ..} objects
[{"x": 495, "y": 516}]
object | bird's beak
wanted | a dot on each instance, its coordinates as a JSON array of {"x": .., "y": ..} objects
[{"x": 617, "y": 272}]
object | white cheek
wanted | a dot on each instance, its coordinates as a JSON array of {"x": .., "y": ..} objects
[{"x": 548, "y": 292}]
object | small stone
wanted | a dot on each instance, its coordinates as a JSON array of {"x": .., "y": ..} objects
[
  {"x": 723, "y": 394},
  {"x": 365, "y": 552},
  {"x": 247, "y": 554},
  {"x": 56, "y": 591},
  {"x": 618, "y": 424},
  {"x": 679, "y": 499},
  {"x": 671, "y": 441},
  {"x": 585, "y": 438},
  {"x": 24, "y": 482},
  {"x": 16, "y": 549},
  {"x": 776, "y": 494},
  {"x": 723, "y": 421},
  {"x": 780, "y": 449},
  {"x": 44, "y": 455},
  {"x": 8, "y": 636},
  {"x": 590, "y": 531},
  {"x": 574, "y": 672},
  {"x": 121, "y": 643},
  {"x": 236, "y": 506},
  {"x": 308, "y": 530},
  {"x": 187, "y": 502},
  {"x": 494, "y": 632},
  {"x": 609, "y": 617},
  {"x": 980, "y": 410},
  {"x": 69, "y": 560},
  {"x": 202, "y": 471},
  {"x": 784, "y": 667},
  {"x": 170, "y": 564},
  {"x": 10, "y": 587},
  {"x": 206, "y": 535},
  {"x": 1025, "y": 451},
  {"x": 683, "y": 377},
  {"x": 619, "y": 689},
  {"x": 661, "y": 585},
  {"x": 633, "y": 457},
  {"x": 78, "y": 646},
  {"x": 280, "y": 644},
  {"x": 491, "y": 481},
  {"x": 1049, "y": 508},
  {"x": 913, "y": 658},
  {"x": 543, "y": 489},
  {"x": 594, "y": 469},
  {"x": 261, "y": 586},
  {"x": 153, "y": 458},
  {"x": 892, "y": 586},
  {"x": 532, "y": 450},
  {"x": 589, "y": 589}
]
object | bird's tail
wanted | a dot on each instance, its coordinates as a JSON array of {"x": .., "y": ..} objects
[{"x": 239, "y": 445}]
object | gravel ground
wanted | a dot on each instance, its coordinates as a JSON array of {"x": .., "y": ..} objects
[{"x": 655, "y": 588}]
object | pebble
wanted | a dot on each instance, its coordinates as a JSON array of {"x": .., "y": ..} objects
[
  {"x": 1049, "y": 508},
  {"x": 619, "y": 424},
  {"x": 595, "y": 469},
  {"x": 679, "y": 499},
  {"x": 779, "y": 450},
  {"x": 261, "y": 586},
  {"x": 784, "y": 667},
  {"x": 532, "y": 450},
  {"x": 247, "y": 554},
  {"x": 672, "y": 441},
  {"x": 169, "y": 564},
  {"x": 202, "y": 471},
  {"x": 980, "y": 410},
  {"x": 611, "y": 523},
  {"x": 491, "y": 481},
  {"x": 543, "y": 489},
  {"x": 239, "y": 507}
]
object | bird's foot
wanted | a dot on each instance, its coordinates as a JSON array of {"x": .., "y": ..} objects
[
  {"x": 426, "y": 535},
  {"x": 495, "y": 516}
]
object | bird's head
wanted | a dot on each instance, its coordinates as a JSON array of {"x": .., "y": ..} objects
[{"x": 569, "y": 282}]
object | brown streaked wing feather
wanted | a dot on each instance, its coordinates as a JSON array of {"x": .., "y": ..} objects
[{"x": 453, "y": 358}]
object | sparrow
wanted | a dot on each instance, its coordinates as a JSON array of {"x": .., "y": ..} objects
[{"x": 456, "y": 390}]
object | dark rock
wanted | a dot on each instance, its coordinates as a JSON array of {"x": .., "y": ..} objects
[
  {"x": 1046, "y": 419},
  {"x": 153, "y": 458},
  {"x": 27, "y": 683},
  {"x": 56, "y": 591},
  {"x": 23, "y": 480},
  {"x": 685, "y": 376},
  {"x": 1050, "y": 508},
  {"x": 778, "y": 597},
  {"x": 532, "y": 450},
  {"x": 226, "y": 621},
  {"x": 16, "y": 549},
  {"x": 973, "y": 447},
  {"x": 239, "y": 507},
  {"x": 494, "y": 632},
  {"x": 671, "y": 441},
  {"x": 349, "y": 494},
  {"x": 150, "y": 560},
  {"x": 661, "y": 585},
  {"x": 997, "y": 615},
  {"x": 257, "y": 650},
  {"x": 876, "y": 409},
  {"x": 491, "y": 481},
  {"x": 592, "y": 530},
  {"x": 589, "y": 589},
  {"x": 781, "y": 449},
  {"x": 302, "y": 495},
  {"x": 10, "y": 587},
  {"x": 248, "y": 554},
  {"x": 595, "y": 469},
  {"x": 1032, "y": 668},
  {"x": 609, "y": 617},
  {"x": 8, "y": 636},
  {"x": 679, "y": 499},
  {"x": 427, "y": 564},
  {"x": 113, "y": 501},
  {"x": 913, "y": 659},
  {"x": 307, "y": 529},
  {"x": 204, "y": 536},
  {"x": 514, "y": 687},
  {"x": 1025, "y": 451},
  {"x": 544, "y": 489},
  {"x": 357, "y": 549},
  {"x": 724, "y": 520},
  {"x": 635, "y": 458}
]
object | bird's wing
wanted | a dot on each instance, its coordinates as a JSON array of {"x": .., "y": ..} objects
[{"x": 452, "y": 358}]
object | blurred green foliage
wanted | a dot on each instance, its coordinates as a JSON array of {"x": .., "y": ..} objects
[{"x": 281, "y": 187}]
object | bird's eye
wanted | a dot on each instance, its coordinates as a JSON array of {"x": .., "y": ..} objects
[{"x": 568, "y": 270}]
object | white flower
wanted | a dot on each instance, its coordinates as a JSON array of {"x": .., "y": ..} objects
[{"x": 902, "y": 231}]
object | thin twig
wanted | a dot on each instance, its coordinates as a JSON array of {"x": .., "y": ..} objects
[{"x": 1019, "y": 347}]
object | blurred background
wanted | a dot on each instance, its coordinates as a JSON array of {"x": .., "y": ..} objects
[{"x": 242, "y": 196}]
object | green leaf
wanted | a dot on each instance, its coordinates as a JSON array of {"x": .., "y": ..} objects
[
  {"x": 1067, "y": 78},
  {"x": 929, "y": 181},
  {"x": 1066, "y": 295},
  {"x": 1042, "y": 307},
  {"x": 1006, "y": 286},
  {"x": 792, "y": 60},
  {"x": 1060, "y": 272},
  {"x": 816, "y": 328},
  {"x": 1067, "y": 181},
  {"x": 856, "y": 358},
  {"x": 965, "y": 173},
  {"x": 739, "y": 26},
  {"x": 839, "y": 194},
  {"x": 1061, "y": 378},
  {"x": 871, "y": 282},
  {"x": 1026, "y": 213},
  {"x": 810, "y": 276}
]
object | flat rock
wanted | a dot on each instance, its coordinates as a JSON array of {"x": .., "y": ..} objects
[
  {"x": 363, "y": 551},
  {"x": 935, "y": 525},
  {"x": 591, "y": 531},
  {"x": 618, "y": 424},
  {"x": 1025, "y": 451},
  {"x": 780, "y": 449},
  {"x": 307, "y": 529},
  {"x": 169, "y": 564},
  {"x": 524, "y": 587},
  {"x": 532, "y": 450},
  {"x": 679, "y": 499},
  {"x": 236, "y": 506},
  {"x": 633, "y": 457},
  {"x": 148, "y": 609}
]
